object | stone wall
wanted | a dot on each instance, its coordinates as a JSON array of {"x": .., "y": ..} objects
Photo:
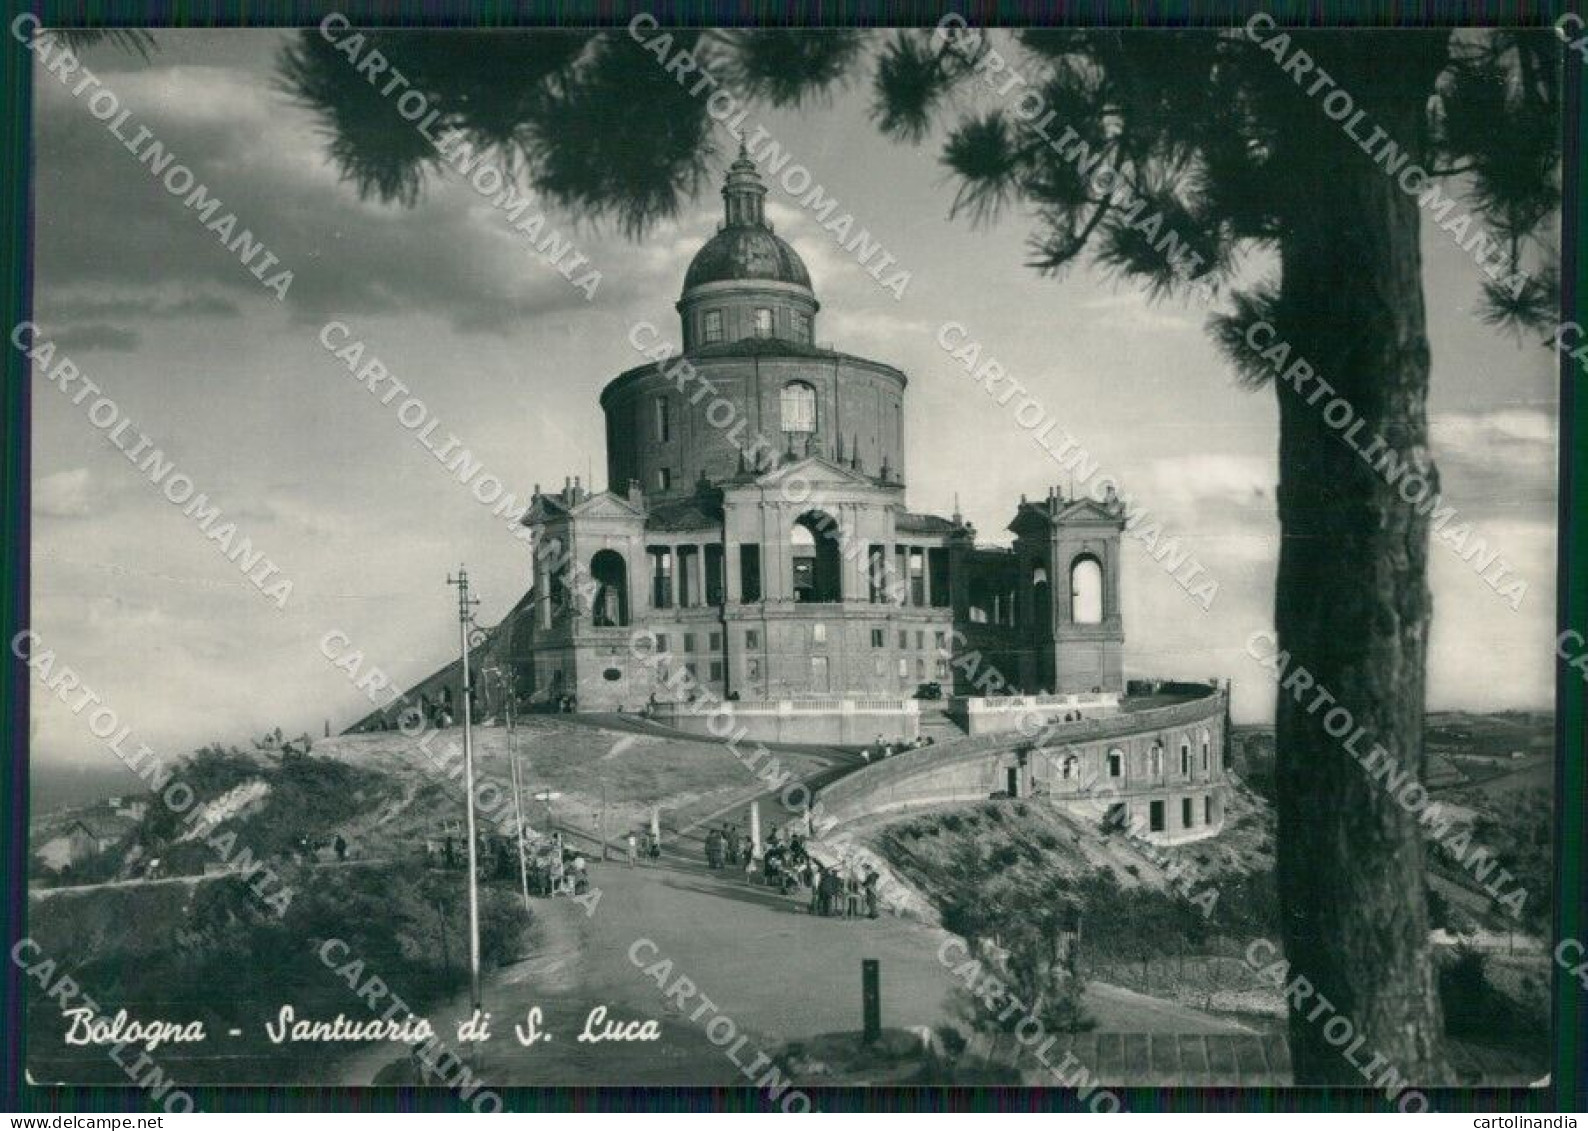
[
  {"x": 848, "y": 722},
  {"x": 1004, "y": 713},
  {"x": 1144, "y": 765}
]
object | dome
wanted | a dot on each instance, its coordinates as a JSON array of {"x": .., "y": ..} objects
[
  {"x": 745, "y": 247},
  {"x": 747, "y": 251}
]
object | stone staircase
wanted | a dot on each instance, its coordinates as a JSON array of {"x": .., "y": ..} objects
[{"x": 938, "y": 725}]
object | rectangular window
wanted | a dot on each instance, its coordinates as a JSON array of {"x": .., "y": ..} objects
[
  {"x": 797, "y": 407},
  {"x": 877, "y": 640},
  {"x": 661, "y": 643},
  {"x": 940, "y": 641},
  {"x": 714, "y": 642},
  {"x": 1185, "y": 759},
  {"x": 1187, "y": 813},
  {"x": 716, "y": 590},
  {"x": 688, "y": 558},
  {"x": 752, "y": 639},
  {"x": 877, "y": 572},
  {"x": 713, "y": 326},
  {"x": 763, "y": 322},
  {"x": 1155, "y": 817},
  {"x": 818, "y": 673},
  {"x": 937, "y": 577},
  {"x": 802, "y": 326},
  {"x": 818, "y": 633},
  {"x": 664, "y": 479},
  {"x": 689, "y": 666},
  {"x": 716, "y": 670},
  {"x": 1207, "y": 809},
  {"x": 752, "y": 668},
  {"x": 749, "y": 573},
  {"x": 920, "y": 638},
  {"x": 663, "y": 423},
  {"x": 661, "y": 578},
  {"x": 904, "y": 639},
  {"x": 917, "y": 577},
  {"x": 942, "y": 669},
  {"x": 904, "y": 668},
  {"x": 920, "y": 667},
  {"x": 689, "y": 641}
]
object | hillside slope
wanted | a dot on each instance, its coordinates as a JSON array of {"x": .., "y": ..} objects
[{"x": 963, "y": 858}]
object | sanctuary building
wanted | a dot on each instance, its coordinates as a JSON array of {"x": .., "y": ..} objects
[
  {"x": 756, "y": 524},
  {"x": 755, "y": 558}
]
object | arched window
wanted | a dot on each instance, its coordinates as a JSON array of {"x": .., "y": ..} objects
[
  {"x": 1116, "y": 763},
  {"x": 610, "y": 608},
  {"x": 1185, "y": 758},
  {"x": 1069, "y": 768},
  {"x": 1155, "y": 760},
  {"x": 799, "y": 407},
  {"x": 1207, "y": 747},
  {"x": 1086, "y": 590}
]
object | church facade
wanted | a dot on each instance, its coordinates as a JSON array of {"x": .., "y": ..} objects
[{"x": 756, "y": 541}]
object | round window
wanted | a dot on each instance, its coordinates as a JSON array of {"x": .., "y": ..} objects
[{"x": 612, "y": 675}]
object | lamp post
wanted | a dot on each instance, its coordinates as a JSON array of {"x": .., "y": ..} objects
[
  {"x": 466, "y": 605},
  {"x": 518, "y": 801}
]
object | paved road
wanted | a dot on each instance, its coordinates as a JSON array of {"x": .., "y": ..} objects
[{"x": 779, "y": 973}]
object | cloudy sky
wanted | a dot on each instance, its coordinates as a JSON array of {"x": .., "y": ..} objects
[{"x": 234, "y": 385}]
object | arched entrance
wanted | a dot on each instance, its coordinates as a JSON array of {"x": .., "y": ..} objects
[
  {"x": 611, "y": 575},
  {"x": 814, "y": 539}
]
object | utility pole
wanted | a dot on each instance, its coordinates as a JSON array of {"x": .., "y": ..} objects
[
  {"x": 466, "y": 605},
  {"x": 518, "y": 801},
  {"x": 603, "y": 818}
]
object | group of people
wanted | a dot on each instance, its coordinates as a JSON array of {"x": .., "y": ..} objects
[
  {"x": 652, "y": 848},
  {"x": 883, "y": 748},
  {"x": 789, "y": 867},
  {"x": 557, "y": 869},
  {"x": 725, "y": 848},
  {"x": 844, "y": 894}
]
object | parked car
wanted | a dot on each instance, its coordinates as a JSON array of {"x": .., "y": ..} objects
[{"x": 933, "y": 690}]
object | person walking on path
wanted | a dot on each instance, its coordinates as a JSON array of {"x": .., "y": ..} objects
[{"x": 634, "y": 850}]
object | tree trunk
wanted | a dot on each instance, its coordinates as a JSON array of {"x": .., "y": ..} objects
[{"x": 1352, "y": 601}]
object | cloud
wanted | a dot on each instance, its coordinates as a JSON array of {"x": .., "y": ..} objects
[
  {"x": 96, "y": 336},
  {"x": 1506, "y": 434},
  {"x": 64, "y": 494},
  {"x": 164, "y": 301},
  {"x": 1498, "y": 462},
  {"x": 110, "y": 231},
  {"x": 1204, "y": 477},
  {"x": 1132, "y": 310}
]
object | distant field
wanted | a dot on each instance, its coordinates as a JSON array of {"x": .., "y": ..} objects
[
  {"x": 1463, "y": 750},
  {"x": 1459, "y": 734}
]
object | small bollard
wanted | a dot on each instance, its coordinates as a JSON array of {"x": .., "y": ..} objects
[{"x": 871, "y": 1000}]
